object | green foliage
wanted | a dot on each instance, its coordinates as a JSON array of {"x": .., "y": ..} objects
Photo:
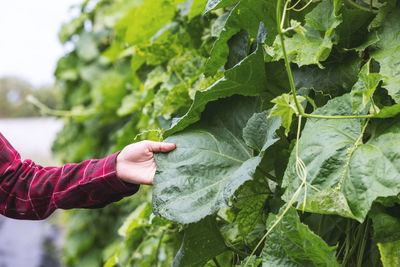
[
  {"x": 211, "y": 163},
  {"x": 229, "y": 82},
  {"x": 292, "y": 243},
  {"x": 202, "y": 241}
]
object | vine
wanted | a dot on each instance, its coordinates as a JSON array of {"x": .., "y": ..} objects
[{"x": 203, "y": 76}]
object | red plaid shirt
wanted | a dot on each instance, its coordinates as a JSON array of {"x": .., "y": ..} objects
[{"x": 29, "y": 191}]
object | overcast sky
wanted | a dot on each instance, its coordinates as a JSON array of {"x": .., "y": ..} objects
[{"x": 29, "y": 46}]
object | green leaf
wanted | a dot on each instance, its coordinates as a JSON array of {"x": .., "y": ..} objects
[
  {"x": 390, "y": 253},
  {"x": 353, "y": 30},
  {"x": 153, "y": 14},
  {"x": 389, "y": 111},
  {"x": 314, "y": 46},
  {"x": 292, "y": 243},
  {"x": 253, "y": 262},
  {"x": 338, "y": 76},
  {"x": 285, "y": 107},
  {"x": 364, "y": 88},
  {"x": 328, "y": 201},
  {"x": 210, "y": 162},
  {"x": 246, "y": 15},
  {"x": 202, "y": 241},
  {"x": 111, "y": 262},
  {"x": 260, "y": 131},
  {"x": 140, "y": 216},
  {"x": 130, "y": 103},
  {"x": 214, "y": 4},
  {"x": 239, "y": 48},
  {"x": 250, "y": 199},
  {"x": 86, "y": 47},
  {"x": 219, "y": 52},
  {"x": 246, "y": 78},
  {"x": 386, "y": 226},
  {"x": 73, "y": 27},
  {"x": 387, "y": 53},
  {"x": 335, "y": 159},
  {"x": 372, "y": 39},
  {"x": 198, "y": 6}
]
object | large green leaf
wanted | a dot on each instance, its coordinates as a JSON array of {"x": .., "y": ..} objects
[
  {"x": 246, "y": 78},
  {"x": 291, "y": 243},
  {"x": 353, "y": 31},
  {"x": 338, "y": 76},
  {"x": 210, "y": 162},
  {"x": 360, "y": 172},
  {"x": 312, "y": 47},
  {"x": 246, "y": 15},
  {"x": 202, "y": 241},
  {"x": 387, "y": 53}
]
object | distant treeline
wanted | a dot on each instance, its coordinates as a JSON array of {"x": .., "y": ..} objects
[{"x": 13, "y": 93}]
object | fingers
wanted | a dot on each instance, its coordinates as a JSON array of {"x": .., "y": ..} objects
[{"x": 160, "y": 147}]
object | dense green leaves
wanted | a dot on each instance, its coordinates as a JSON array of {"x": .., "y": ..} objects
[
  {"x": 201, "y": 242},
  {"x": 292, "y": 243},
  {"x": 214, "y": 76},
  {"x": 312, "y": 46},
  {"x": 337, "y": 158},
  {"x": 246, "y": 78}
]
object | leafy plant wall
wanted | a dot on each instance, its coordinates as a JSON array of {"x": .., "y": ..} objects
[{"x": 285, "y": 120}]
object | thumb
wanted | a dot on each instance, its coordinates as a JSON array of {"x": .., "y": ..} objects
[{"x": 160, "y": 147}]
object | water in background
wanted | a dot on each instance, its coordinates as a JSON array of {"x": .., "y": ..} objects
[
  {"x": 32, "y": 137},
  {"x": 30, "y": 243}
]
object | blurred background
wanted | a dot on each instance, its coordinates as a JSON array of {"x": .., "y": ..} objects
[
  {"x": 107, "y": 73},
  {"x": 29, "y": 51}
]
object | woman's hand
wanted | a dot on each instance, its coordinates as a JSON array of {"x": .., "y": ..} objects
[{"x": 135, "y": 163}]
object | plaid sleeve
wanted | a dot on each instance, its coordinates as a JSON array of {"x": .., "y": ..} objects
[{"x": 30, "y": 191}]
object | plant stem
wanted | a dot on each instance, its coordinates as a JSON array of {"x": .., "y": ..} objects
[
  {"x": 158, "y": 247},
  {"x": 354, "y": 4},
  {"x": 355, "y": 243},
  {"x": 237, "y": 251},
  {"x": 338, "y": 117},
  {"x": 347, "y": 242},
  {"x": 362, "y": 247},
  {"x": 216, "y": 262},
  {"x": 270, "y": 176},
  {"x": 289, "y": 72}
]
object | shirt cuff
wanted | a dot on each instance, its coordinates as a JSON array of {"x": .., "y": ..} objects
[{"x": 112, "y": 179}]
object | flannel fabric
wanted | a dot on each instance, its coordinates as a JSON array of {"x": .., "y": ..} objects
[{"x": 30, "y": 191}]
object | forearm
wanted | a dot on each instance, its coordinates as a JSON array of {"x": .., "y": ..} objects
[{"x": 29, "y": 191}]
